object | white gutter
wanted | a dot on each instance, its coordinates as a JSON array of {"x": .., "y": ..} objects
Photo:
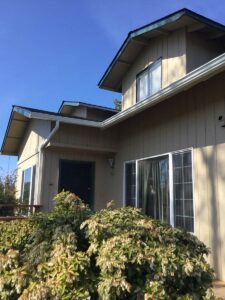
[
  {"x": 41, "y": 161},
  {"x": 198, "y": 75},
  {"x": 62, "y": 119}
]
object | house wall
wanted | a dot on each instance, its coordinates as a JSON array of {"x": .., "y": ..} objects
[
  {"x": 51, "y": 175},
  {"x": 98, "y": 115},
  {"x": 187, "y": 120},
  {"x": 79, "y": 111},
  {"x": 181, "y": 52},
  {"x": 83, "y": 137},
  {"x": 79, "y": 143},
  {"x": 35, "y": 135},
  {"x": 201, "y": 50},
  {"x": 172, "y": 49}
]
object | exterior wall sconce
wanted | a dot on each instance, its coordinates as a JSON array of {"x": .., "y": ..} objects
[
  {"x": 111, "y": 162},
  {"x": 221, "y": 119}
]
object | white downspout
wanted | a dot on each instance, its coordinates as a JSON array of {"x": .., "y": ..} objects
[{"x": 41, "y": 161}]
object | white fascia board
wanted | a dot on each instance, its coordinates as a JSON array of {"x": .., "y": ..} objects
[
  {"x": 22, "y": 111},
  {"x": 61, "y": 119},
  {"x": 67, "y": 103},
  {"x": 198, "y": 75}
]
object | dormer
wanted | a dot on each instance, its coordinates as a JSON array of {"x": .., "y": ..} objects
[
  {"x": 157, "y": 55},
  {"x": 86, "y": 110}
]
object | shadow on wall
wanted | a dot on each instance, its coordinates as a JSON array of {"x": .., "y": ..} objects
[
  {"x": 211, "y": 184},
  {"x": 171, "y": 49}
]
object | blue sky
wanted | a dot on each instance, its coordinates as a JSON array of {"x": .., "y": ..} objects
[{"x": 54, "y": 50}]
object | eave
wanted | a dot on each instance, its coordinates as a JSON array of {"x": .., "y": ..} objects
[
  {"x": 72, "y": 104},
  {"x": 203, "y": 73},
  {"x": 139, "y": 38},
  {"x": 24, "y": 115},
  {"x": 18, "y": 124}
]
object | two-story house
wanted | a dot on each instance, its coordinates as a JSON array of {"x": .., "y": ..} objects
[{"x": 164, "y": 152}]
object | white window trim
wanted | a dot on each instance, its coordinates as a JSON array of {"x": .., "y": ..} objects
[
  {"x": 124, "y": 180},
  {"x": 31, "y": 184},
  {"x": 171, "y": 194},
  {"x": 147, "y": 69}
]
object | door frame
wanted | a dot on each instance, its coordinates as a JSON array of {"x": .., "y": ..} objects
[
  {"x": 171, "y": 195},
  {"x": 87, "y": 162}
]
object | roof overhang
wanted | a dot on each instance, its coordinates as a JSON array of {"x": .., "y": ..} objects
[
  {"x": 139, "y": 38},
  {"x": 18, "y": 124},
  {"x": 20, "y": 116},
  {"x": 203, "y": 73},
  {"x": 67, "y": 107}
]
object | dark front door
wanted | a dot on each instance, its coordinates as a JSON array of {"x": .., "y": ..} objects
[{"x": 78, "y": 178}]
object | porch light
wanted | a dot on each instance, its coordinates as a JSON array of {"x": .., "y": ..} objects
[{"x": 111, "y": 162}]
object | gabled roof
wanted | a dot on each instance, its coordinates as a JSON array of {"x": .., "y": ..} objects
[
  {"x": 139, "y": 38},
  {"x": 20, "y": 115},
  {"x": 84, "y": 104},
  {"x": 20, "y": 118}
]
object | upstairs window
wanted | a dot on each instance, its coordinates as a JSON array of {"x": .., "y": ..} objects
[{"x": 149, "y": 81}]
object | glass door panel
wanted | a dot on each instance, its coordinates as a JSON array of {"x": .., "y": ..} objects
[{"x": 153, "y": 191}]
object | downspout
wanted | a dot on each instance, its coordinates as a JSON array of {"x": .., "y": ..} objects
[{"x": 41, "y": 161}]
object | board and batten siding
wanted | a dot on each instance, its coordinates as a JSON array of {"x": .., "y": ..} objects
[
  {"x": 181, "y": 52},
  {"x": 79, "y": 143},
  {"x": 35, "y": 135},
  {"x": 172, "y": 49},
  {"x": 188, "y": 120},
  {"x": 51, "y": 174},
  {"x": 83, "y": 137},
  {"x": 201, "y": 49}
]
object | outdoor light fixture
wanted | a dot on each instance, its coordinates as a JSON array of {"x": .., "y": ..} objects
[
  {"x": 221, "y": 119},
  {"x": 111, "y": 162}
]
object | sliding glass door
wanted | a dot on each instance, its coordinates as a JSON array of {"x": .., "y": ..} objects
[
  {"x": 162, "y": 187},
  {"x": 153, "y": 187}
]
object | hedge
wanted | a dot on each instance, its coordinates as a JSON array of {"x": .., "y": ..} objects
[{"x": 74, "y": 253}]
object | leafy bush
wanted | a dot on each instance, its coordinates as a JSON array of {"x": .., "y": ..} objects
[
  {"x": 73, "y": 253},
  {"x": 7, "y": 194}
]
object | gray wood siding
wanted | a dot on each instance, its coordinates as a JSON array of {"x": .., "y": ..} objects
[
  {"x": 35, "y": 135},
  {"x": 201, "y": 50},
  {"x": 187, "y": 120},
  {"x": 51, "y": 175},
  {"x": 172, "y": 49},
  {"x": 83, "y": 137}
]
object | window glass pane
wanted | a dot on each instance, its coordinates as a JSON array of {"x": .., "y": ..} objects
[
  {"x": 178, "y": 191},
  {"x": 149, "y": 82},
  {"x": 183, "y": 190},
  {"x": 179, "y": 221},
  {"x": 143, "y": 86},
  {"x": 155, "y": 77},
  {"x": 179, "y": 207},
  {"x": 178, "y": 175},
  {"x": 187, "y": 159},
  {"x": 177, "y": 160},
  {"x": 154, "y": 188},
  {"x": 130, "y": 184},
  {"x": 189, "y": 224},
  {"x": 26, "y": 186},
  {"x": 187, "y": 174},
  {"x": 33, "y": 184},
  {"x": 188, "y": 193},
  {"x": 188, "y": 208}
]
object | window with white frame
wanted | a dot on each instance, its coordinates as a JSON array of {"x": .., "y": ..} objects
[
  {"x": 149, "y": 81},
  {"x": 130, "y": 183},
  {"x": 183, "y": 190},
  {"x": 165, "y": 188},
  {"x": 28, "y": 184}
]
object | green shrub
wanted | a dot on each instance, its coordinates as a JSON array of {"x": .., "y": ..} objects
[
  {"x": 73, "y": 253},
  {"x": 7, "y": 194}
]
